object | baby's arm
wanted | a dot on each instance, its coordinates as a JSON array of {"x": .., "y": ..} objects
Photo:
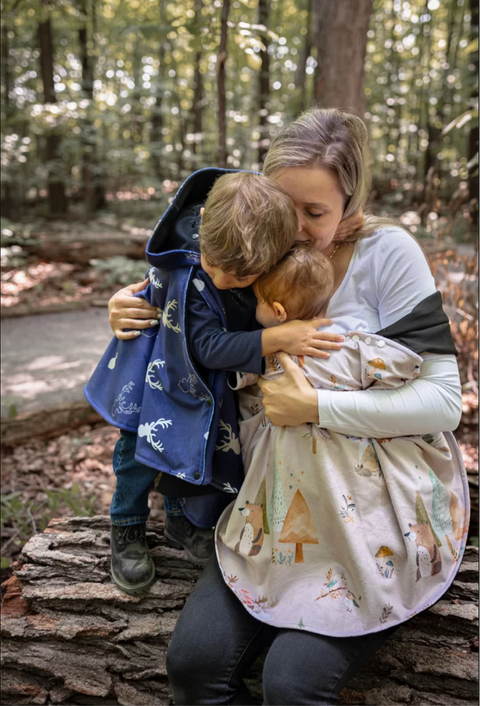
[{"x": 218, "y": 349}]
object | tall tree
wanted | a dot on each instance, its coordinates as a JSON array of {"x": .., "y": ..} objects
[
  {"x": 198, "y": 89},
  {"x": 301, "y": 74},
  {"x": 93, "y": 188},
  {"x": 473, "y": 137},
  {"x": 263, "y": 82},
  {"x": 340, "y": 37},
  {"x": 8, "y": 190},
  {"x": 222, "y": 100},
  {"x": 57, "y": 200},
  {"x": 157, "y": 122}
]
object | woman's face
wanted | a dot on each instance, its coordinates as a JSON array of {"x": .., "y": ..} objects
[{"x": 318, "y": 200}]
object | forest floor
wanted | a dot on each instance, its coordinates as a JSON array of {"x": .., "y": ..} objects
[{"x": 71, "y": 473}]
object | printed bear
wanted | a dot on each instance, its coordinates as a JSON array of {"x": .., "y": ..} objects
[
  {"x": 429, "y": 561},
  {"x": 251, "y": 536}
]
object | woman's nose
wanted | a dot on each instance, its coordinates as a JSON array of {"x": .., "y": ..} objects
[{"x": 300, "y": 223}]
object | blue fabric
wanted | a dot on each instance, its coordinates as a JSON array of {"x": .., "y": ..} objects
[
  {"x": 129, "y": 504},
  {"x": 160, "y": 385}
]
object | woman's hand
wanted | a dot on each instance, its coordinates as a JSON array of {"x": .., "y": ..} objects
[
  {"x": 349, "y": 225},
  {"x": 127, "y": 311},
  {"x": 301, "y": 338},
  {"x": 289, "y": 400}
]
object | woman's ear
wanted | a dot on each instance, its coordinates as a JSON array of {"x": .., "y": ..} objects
[
  {"x": 202, "y": 211},
  {"x": 280, "y": 312}
]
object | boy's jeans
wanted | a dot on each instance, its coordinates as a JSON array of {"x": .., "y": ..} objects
[{"x": 134, "y": 483}]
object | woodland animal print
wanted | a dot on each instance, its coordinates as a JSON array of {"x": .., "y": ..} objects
[
  {"x": 251, "y": 536},
  {"x": 429, "y": 561}
]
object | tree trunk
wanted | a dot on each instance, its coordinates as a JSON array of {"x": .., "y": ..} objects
[
  {"x": 93, "y": 189},
  {"x": 8, "y": 189},
  {"x": 341, "y": 40},
  {"x": 198, "y": 91},
  {"x": 222, "y": 101},
  {"x": 263, "y": 84},
  {"x": 57, "y": 200},
  {"x": 69, "y": 636},
  {"x": 301, "y": 75},
  {"x": 156, "y": 134},
  {"x": 473, "y": 136}
]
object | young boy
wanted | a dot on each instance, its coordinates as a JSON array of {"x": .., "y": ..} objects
[{"x": 167, "y": 391}]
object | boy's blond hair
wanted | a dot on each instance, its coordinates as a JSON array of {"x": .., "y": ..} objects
[
  {"x": 249, "y": 223},
  {"x": 302, "y": 282}
]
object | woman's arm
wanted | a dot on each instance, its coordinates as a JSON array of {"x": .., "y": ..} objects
[
  {"x": 400, "y": 278},
  {"x": 431, "y": 403}
]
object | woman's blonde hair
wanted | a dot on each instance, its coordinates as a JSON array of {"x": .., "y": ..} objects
[
  {"x": 334, "y": 140},
  {"x": 249, "y": 223}
]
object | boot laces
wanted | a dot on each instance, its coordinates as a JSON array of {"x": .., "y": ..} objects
[{"x": 133, "y": 533}]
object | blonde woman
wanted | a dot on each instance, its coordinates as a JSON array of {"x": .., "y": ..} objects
[{"x": 322, "y": 162}]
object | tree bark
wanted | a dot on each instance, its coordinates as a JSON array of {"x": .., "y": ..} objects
[
  {"x": 222, "y": 101},
  {"x": 473, "y": 135},
  {"x": 8, "y": 189},
  {"x": 198, "y": 90},
  {"x": 156, "y": 135},
  {"x": 301, "y": 74},
  {"x": 69, "y": 636},
  {"x": 93, "y": 188},
  {"x": 263, "y": 83},
  {"x": 57, "y": 200},
  {"x": 341, "y": 40}
]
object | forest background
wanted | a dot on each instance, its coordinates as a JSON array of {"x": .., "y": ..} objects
[{"x": 108, "y": 105}]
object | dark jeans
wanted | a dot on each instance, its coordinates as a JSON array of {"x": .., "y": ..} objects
[
  {"x": 134, "y": 482},
  {"x": 216, "y": 641}
]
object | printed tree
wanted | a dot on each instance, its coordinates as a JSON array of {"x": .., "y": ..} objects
[
  {"x": 441, "y": 517},
  {"x": 298, "y": 528},
  {"x": 277, "y": 510},
  {"x": 261, "y": 499},
  {"x": 423, "y": 518}
]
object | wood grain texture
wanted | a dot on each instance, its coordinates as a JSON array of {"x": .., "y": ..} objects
[{"x": 70, "y": 637}]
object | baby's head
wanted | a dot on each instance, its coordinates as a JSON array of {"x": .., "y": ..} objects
[
  {"x": 298, "y": 287},
  {"x": 248, "y": 224}
]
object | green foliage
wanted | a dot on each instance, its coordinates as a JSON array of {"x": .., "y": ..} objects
[
  {"x": 23, "y": 519},
  {"x": 120, "y": 270}
]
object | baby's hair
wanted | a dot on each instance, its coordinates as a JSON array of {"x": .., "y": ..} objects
[
  {"x": 302, "y": 282},
  {"x": 249, "y": 223}
]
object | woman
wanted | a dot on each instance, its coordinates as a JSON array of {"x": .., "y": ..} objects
[{"x": 321, "y": 161}]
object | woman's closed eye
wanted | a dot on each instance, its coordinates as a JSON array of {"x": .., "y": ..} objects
[{"x": 315, "y": 215}]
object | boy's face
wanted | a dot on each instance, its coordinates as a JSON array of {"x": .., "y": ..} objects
[{"x": 225, "y": 280}]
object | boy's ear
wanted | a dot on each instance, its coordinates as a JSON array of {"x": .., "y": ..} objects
[
  {"x": 280, "y": 312},
  {"x": 202, "y": 211}
]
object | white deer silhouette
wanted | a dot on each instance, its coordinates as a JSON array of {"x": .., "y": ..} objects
[
  {"x": 167, "y": 316},
  {"x": 148, "y": 430},
  {"x": 230, "y": 442},
  {"x": 150, "y": 376}
]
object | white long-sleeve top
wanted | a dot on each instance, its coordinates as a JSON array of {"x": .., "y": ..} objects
[{"x": 387, "y": 277}]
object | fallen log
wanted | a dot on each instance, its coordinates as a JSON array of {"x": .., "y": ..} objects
[
  {"x": 81, "y": 248},
  {"x": 49, "y": 422},
  {"x": 70, "y": 637}
]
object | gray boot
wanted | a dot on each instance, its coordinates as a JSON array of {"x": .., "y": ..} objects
[
  {"x": 132, "y": 567},
  {"x": 181, "y": 534}
]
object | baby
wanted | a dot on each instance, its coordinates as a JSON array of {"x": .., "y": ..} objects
[{"x": 300, "y": 286}]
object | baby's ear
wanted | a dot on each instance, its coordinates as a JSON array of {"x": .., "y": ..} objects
[{"x": 280, "y": 312}]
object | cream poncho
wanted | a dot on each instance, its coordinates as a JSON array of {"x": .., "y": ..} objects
[{"x": 342, "y": 535}]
